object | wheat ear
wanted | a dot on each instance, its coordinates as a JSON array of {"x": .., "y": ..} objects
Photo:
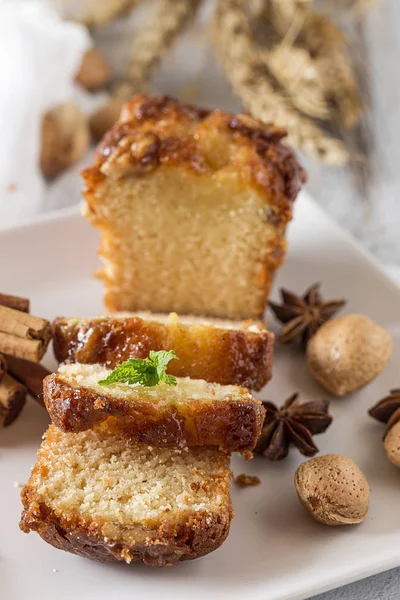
[
  {"x": 233, "y": 40},
  {"x": 156, "y": 36},
  {"x": 292, "y": 67},
  {"x": 326, "y": 45}
]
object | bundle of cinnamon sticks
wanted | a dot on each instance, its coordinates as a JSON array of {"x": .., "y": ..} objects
[{"x": 23, "y": 342}]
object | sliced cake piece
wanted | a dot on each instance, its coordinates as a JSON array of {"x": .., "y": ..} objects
[
  {"x": 96, "y": 495},
  {"x": 192, "y": 413},
  {"x": 192, "y": 206},
  {"x": 220, "y": 351}
]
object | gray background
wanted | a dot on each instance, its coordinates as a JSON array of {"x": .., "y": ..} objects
[{"x": 385, "y": 586}]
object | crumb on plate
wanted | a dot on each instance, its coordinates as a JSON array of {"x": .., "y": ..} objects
[{"x": 244, "y": 480}]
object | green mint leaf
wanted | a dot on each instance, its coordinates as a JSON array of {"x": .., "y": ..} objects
[
  {"x": 161, "y": 359},
  {"x": 133, "y": 370},
  {"x": 145, "y": 371},
  {"x": 168, "y": 379}
]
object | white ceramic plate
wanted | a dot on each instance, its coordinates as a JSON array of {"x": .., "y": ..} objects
[{"x": 275, "y": 550}]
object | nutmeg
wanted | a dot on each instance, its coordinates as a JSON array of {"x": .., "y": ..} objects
[
  {"x": 65, "y": 138},
  {"x": 94, "y": 73},
  {"x": 348, "y": 352},
  {"x": 392, "y": 444},
  {"x": 333, "y": 489}
]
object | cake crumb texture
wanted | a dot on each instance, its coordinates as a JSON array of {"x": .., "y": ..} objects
[{"x": 96, "y": 495}]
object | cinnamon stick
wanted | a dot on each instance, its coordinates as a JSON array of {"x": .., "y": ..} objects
[
  {"x": 16, "y": 302},
  {"x": 3, "y": 367},
  {"x": 23, "y": 335},
  {"x": 30, "y": 374},
  {"x": 12, "y": 400}
]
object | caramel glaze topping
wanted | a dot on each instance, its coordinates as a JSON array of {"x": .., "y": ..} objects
[{"x": 152, "y": 131}]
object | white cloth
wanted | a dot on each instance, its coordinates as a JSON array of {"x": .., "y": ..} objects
[{"x": 39, "y": 57}]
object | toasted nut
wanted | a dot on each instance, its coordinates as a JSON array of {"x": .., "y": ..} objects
[
  {"x": 104, "y": 118},
  {"x": 392, "y": 444},
  {"x": 348, "y": 352},
  {"x": 94, "y": 73},
  {"x": 333, "y": 489},
  {"x": 135, "y": 154},
  {"x": 65, "y": 138}
]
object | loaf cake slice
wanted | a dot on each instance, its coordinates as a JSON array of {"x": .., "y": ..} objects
[
  {"x": 96, "y": 495},
  {"x": 219, "y": 351},
  {"x": 192, "y": 413},
  {"x": 192, "y": 206}
]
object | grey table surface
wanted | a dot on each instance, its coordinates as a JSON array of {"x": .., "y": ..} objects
[{"x": 371, "y": 211}]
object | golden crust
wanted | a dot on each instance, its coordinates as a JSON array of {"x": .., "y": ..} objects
[
  {"x": 163, "y": 130},
  {"x": 233, "y": 425},
  {"x": 224, "y": 356},
  {"x": 166, "y": 545}
]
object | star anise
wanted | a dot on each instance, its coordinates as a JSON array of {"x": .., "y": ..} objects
[
  {"x": 303, "y": 315},
  {"x": 293, "y": 423},
  {"x": 387, "y": 410}
]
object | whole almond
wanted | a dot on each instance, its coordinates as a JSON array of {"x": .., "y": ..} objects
[
  {"x": 392, "y": 444},
  {"x": 94, "y": 73},
  {"x": 333, "y": 489},
  {"x": 65, "y": 138},
  {"x": 348, "y": 352}
]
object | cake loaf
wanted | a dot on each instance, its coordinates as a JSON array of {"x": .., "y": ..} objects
[{"x": 192, "y": 206}]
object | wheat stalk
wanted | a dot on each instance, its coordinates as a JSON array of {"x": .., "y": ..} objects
[
  {"x": 233, "y": 40},
  {"x": 295, "y": 72},
  {"x": 285, "y": 13},
  {"x": 292, "y": 67},
  {"x": 333, "y": 63},
  {"x": 326, "y": 45},
  {"x": 155, "y": 37}
]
